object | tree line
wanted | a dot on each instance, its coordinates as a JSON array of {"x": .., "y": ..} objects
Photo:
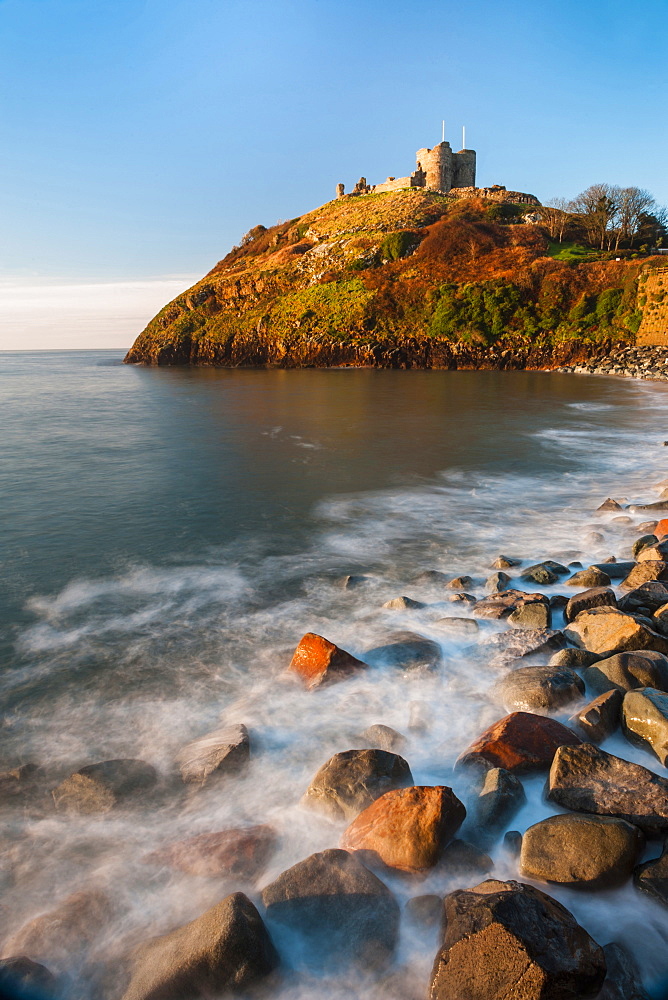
[{"x": 608, "y": 217}]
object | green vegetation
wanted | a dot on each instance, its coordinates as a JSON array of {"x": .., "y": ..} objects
[
  {"x": 570, "y": 252},
  {"x": 398, "y": 245}
]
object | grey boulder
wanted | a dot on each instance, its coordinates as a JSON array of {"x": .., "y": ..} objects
[
  {"x": 594, "y": 597},
  {"x": 501, "y": 795},
  {"x": 407, "y": 651},
  {"x": 350, "y": 781},
  {"x": 627, "y": 671},
  {"x": 645, "y": 720},
  {"x": 222, "y": 752},
  {"x": 539, "y": 689},
  {"x": 596, "y": 851},
  {"x": 600, "y": 718},
  {"x": 104, "y": 786}
]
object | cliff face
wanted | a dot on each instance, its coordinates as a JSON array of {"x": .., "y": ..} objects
[{"x": 400, "y": 279}]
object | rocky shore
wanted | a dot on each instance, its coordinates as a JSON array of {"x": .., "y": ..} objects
[
  {"x": 580, "y": 653},
  {"x": 629, "y": 362}
]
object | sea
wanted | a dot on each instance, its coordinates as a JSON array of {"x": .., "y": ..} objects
[{"x": 169, "y": 534}]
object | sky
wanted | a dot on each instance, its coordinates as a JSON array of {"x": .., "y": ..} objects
[{"x": 142, "y": 138}]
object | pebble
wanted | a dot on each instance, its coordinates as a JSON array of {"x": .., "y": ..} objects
[{"x": 627, "y": 362}]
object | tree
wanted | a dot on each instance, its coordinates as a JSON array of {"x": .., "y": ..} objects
[
  {"x": 653, "y": 228},
  {"x": 599, "y": 207},
  {"x": 633, "y": 204},
  {"x": 555, "y": 217}
]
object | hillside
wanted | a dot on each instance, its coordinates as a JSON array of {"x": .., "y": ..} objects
[{"x": 400, "y": 279}]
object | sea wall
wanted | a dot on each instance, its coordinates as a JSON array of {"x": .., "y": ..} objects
[{"x": 653, "y": 298}]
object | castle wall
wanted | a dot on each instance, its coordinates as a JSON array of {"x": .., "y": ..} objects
[
  {"x": 437, "y": 164},
  {"x": 394, "y": 184},
  {"x": 464, "y": 163}
]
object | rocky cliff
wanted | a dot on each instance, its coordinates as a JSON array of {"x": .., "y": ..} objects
[{"x": 400, "y": 279}]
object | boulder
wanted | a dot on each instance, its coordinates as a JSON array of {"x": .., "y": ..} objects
[
  {"x": 627, "y": 671},
  {"x": 318, "y": 661},
  {"x": 540, "y": 573},
  {"x": 462, "y": 860},
  {"x": 501, "y": 795},
  {"x": 381, "y": 737},
  {"x": 591, "y": 577},
  {"x": 661, "y": 528},
  {"x": 645, "y": 720},
  {"x": 600, "y": 718},
  {"x": 648, "y": 526},
  {"x": 651, "y": 595},
  {"x": 608, "y": 630},
  {"x": 519, "y": 742},
  {"x": 651, "y": 877},
  {"x": 660, "y": 621},
  {"x": 458, "y": 626},
  {"x": 497, "y": 582},
  {"x": 23, "y": 979},
  {"x": 658, "y": 552},
  {"x": 18, "y": 783},
  {"x": 462, "y": 599},
  {"x": 532, "y": 615},
  {"x": 657, "y": 505},
  {"x": 431, "y": 577},
  {"x": 460, "y": 582},
  {"x": 505, "y": 562},
  {"x": 595, "y": 597},
  {"x": 403, "y": 604},
  {"x": 641, "y": 543},
  {"x": 225, "y": 950},
  {"x": 622, "y": 981},
  {"x": 587, "y": 779},
  {"x": 426, "y": 910},
  {"x": 615, "y": 570},
  {"x": 63, "y": 935},
  {"x": 354, "y": 581},
  {"x": 104, "y": 786},
  {"x": 573, "y": 658},
  {"x": 407, "y": 651},
  {"x": 335, "y": 910},
  {"x": 510, "y": 941},
  {"x": 241, "y": 852},
  {"x": 214, "y": 755},
  {"x": 598, "y": 851},
  {"x": 512, "y": 842},
  {"x": 352, "y": 780},
  {"x": 643, "y": 572},
  {"x": 519, "y": 642},
  {"x": 538, "y": 689},
  {"x": 504, "y": 604},
  {"x": 610, "y": 504},
  {"x": 407, "y": 828}
]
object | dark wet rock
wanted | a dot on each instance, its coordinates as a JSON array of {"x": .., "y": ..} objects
[
  {"x": 539, "y": 689},
  {"x": 352, "y": 780},
  {"x": 510, "y": 940},
  {"x": 573, "y": 658},
  {"x": 608, "y": 630},
  {"x": 642, "y": 542},
  {"x": 380, "y": 737},
  {"x": 627, "y": 671},
  {"x": 61, "y": 936},
  {"x": 660, "y": 619},
  {"x": 226, "y": 949},
  {"x": 652, "y": 877},
  {"x": 600, "y": 718},
  {"x": 501, "y": 795},
  {"x": 431, "y": 577},
  {"x": 591, "y": 577},
  {"x": 616, "y": 570},
  {"x": 502, "y": 605},
  {"x": 318, "y": 661},
  {"x": 651, "y": 595},
  {"x": 610, "y": 504},
  {"x": 520, "y": 742},
  {"x": 623, "y": 981},
  {"x": 587, "y": 779},
  {"x": 594, "y": 597},
  {"x": 403, "y": 604},
  {"x": 426, "y": 910},
  {"x": 104, "y": 786},
  {"x": 658, "y": 552},
  {"x": 519, "y": 642},
  {"x": 458, "y": 626},
  {"x": 647, "y": 526},
  {"x": 242, "y": 852},
  {"x": 558, "y": 602},
  {"x": 512, "y": 841},
  {"x": 497, "y": 582},
  {"x": 215, "y": 755},
  {"x": 460, "y": 582},
  {"x": 596, "y": 850},
  {"x": 407, "y": 829},
  {"x": 18, "y": 783},
  {"x": 23, "y": 979},
  {"x": 464, "y": 861},
  {"x": 657, "y": 505},
  {"x": 643, "y": 572},
  {"x": 505, "y": 562},
  {"x": 645, "y": 720},
  {"x": 338, "y": 910},
  {"x": 354, "y": 581},
  {"x": 408, "y": 651},
  {"x": 533, "y": 615},
  {"x": 540, "y": 573},
  {"x": 555, "y": 567}
]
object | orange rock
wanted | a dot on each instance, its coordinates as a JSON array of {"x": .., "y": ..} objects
[
  {"x": 318, "y": 661},
  {"x": 241, "y": 852},
  {"x": 661, "y": 530},
  {"x": 520, "y": 741},
  {"x": 407, "y": 828}
]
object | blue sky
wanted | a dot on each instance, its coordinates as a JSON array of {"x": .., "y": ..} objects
[{"x": 142, "y": 138}]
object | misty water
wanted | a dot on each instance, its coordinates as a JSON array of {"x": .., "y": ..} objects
[{"x": 169, "y": 535}]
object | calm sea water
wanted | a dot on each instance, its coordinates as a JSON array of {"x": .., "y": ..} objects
[{"x": 168, "y": 535}]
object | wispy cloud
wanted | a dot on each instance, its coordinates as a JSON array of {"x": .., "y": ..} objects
[{"x": 43, "y": 315}]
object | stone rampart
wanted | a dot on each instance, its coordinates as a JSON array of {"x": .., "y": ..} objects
[{"x": 653, "y": 300}]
